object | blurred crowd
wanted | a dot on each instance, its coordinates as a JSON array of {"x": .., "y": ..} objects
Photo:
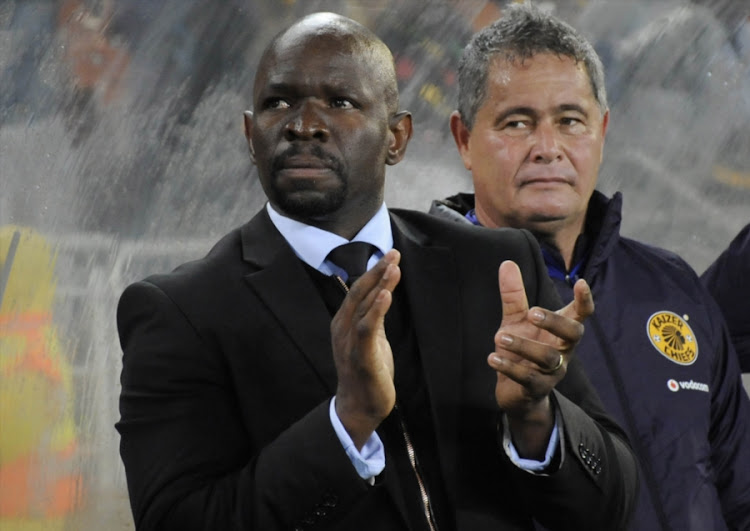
[{"x": 142, "y": 98}]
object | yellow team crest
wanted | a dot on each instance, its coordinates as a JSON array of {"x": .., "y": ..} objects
[{"x": 672, "y": 336}]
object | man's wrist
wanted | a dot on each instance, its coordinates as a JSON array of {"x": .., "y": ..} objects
[
  {"x": 553, "y": 453},
  {"x": 369, "y": 460},
  {"x": 531, "y": 430}
]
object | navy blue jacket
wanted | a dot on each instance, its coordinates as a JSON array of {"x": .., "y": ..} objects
[
  {"x": 728, "y": 280},
  {"x": 659, "y": 354}
]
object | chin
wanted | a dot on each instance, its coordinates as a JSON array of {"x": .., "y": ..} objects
[
  {"x": 311, "y": 206},
  {"x": 549, "y": 214},
  {"x": 546, "y": 221},
  {"x": 547, "y": 208}
]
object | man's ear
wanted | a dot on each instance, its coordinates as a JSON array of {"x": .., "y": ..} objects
[
  {"x": 461, "y": 135},
  {"x": 605, "y": 124},
  {"x": 401, "y": 130},
  {"x": 248, "y": 117}
]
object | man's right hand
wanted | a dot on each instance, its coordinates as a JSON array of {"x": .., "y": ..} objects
[
  {"x": 532, "y": 351},
  {"x": 365, "y": 394}
]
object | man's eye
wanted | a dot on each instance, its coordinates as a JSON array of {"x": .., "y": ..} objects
[
  {"x": 570, "y": 120},
  {"x": 276, "y": 103},
  {"x": 572, "y": 124},
  {"x": 516, "y": 125},
  {"x": 341, "y": 103}
]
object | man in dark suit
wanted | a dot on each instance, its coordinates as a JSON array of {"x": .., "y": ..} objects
[{"x": 261, "y": 390}]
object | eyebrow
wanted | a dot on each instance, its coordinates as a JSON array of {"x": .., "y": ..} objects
[
  {"x": 277, "y": 87},
  {"x": 572, "y": 107},
  {"x": 332, "y": 88}
]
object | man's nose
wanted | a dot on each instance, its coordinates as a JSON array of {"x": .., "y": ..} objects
[
  {"x": 307, "y": 123},
  {"x": 546, "y": 146}
]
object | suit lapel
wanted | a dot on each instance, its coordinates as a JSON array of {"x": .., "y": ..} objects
[
  {"x": 429, "y": 275},
  {"x": 286, "y": 289}
]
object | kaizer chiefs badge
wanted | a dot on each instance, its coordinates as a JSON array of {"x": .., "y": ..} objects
[{"x": 672, "y": 336}]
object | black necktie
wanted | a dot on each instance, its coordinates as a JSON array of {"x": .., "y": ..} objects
[{"x": 352, "y": 257}]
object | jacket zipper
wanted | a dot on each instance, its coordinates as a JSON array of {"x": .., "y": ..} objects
[
  {"x": 635, "y": 441},
  {"x": 426, "y": 504},
  {"x": 645, "y": 459},
  {"x": 424, "y": 495}
]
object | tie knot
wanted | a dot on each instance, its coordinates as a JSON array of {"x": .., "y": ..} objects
[{"x": 352, "y": 257}]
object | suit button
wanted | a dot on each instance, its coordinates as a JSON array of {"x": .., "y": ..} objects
[
  {"x": 330, "y": 500},
  {"x": 583, "y": 451}
]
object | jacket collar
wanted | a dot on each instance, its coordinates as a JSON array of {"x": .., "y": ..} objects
[{"x": 602, "y": 228}]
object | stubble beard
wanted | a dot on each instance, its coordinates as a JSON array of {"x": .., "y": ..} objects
[{"x": 305, "y": 200}]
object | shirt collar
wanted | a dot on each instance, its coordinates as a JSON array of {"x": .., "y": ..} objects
[
  {"x": 552, "y": 257},
  {"x": 312, "y": 244}
]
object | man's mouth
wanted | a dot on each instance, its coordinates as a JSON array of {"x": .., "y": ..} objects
[
  {"x": 305, "y": 167},
  {"x": 546, "y": 179},
  {"x": 302, "y": 162}
]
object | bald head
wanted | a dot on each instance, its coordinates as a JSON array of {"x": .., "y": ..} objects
[{"x": 350, "y": 37}]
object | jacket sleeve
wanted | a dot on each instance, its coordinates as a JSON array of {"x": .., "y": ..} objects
[
  {"x": 188, "y": 457},
  {"x": 729, "y": 434},
  {"x": 596, "y": 485},
  {"x": 728, "y": 280}
]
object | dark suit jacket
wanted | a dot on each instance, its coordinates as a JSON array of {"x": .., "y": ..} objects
[{"x": 228, "y": 373}]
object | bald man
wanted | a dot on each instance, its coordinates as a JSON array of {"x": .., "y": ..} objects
[{"x": 264, "y": 388}]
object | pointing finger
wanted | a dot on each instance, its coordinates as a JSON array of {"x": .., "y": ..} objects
[{"x": 582, "y": 305}]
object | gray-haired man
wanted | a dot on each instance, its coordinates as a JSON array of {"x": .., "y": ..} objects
[{"x": 530, "y": 127}]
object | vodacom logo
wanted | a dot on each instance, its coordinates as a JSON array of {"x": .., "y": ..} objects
[{"x": 690, "y": 385}]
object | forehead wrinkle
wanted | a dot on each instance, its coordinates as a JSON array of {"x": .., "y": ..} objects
[
  {"x": 353, "y": 39},
  {"x": 503, "y": 72},
  {"x": 282, "y": 59},
  {"x": 328, "y": 78}
]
